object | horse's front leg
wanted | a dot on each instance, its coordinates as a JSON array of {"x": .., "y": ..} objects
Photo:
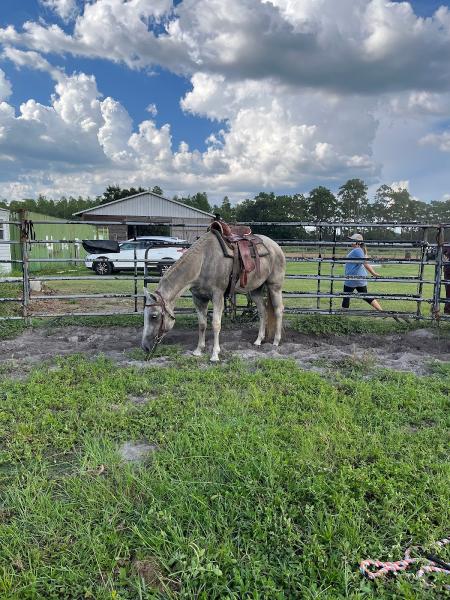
[
  {"x": 201, "y": 307},
  {"x": 218, "y": 304}
]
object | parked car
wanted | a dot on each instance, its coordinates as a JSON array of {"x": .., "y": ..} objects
[{"x": 162, "y": 253}]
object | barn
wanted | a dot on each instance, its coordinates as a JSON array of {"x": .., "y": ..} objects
[
  {"x": 5, "y": 249},
  {"x": 176, "y": 219}
]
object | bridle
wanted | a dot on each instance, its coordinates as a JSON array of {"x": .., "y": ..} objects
[{"x": 165, "y": 311}]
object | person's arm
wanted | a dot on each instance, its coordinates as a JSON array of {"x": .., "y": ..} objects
[{"x": 371, "y": 270}]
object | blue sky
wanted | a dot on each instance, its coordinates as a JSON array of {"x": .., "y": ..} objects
[{"x": 264, "y": 105}]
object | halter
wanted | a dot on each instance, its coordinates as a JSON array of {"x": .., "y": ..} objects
[{"x": 165, "y": 311}]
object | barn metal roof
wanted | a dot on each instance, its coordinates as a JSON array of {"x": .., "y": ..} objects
[{"x": 138, "y": 205}]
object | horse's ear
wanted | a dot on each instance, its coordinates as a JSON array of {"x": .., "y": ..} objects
[{"x": 149, "y": 296}]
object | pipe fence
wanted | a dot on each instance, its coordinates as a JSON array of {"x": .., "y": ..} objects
[{"x": 316, "y": 264}]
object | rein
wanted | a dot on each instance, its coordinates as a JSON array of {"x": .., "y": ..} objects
[{"x": 165, "y": 311}]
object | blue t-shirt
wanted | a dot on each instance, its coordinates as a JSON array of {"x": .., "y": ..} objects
[{"x": 355, "y": 270}]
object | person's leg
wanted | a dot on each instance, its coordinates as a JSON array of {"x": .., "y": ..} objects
[
  {"x": 346, "y": 301},
  {"x": 373, "y": 303},
  {"x": 447, "y": 296}
]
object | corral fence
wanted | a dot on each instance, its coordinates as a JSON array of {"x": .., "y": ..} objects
[{"x": 314, "y": 263}]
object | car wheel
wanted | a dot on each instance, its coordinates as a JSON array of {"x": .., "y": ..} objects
[
  {"x": 164, "y": 267},
  {"x": 103, "y": 267}
]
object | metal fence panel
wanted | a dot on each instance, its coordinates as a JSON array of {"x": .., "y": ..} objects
[{"x": 325, "y": 284}]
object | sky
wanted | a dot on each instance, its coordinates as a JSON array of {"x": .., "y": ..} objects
[{"x": 230, "y": 97}]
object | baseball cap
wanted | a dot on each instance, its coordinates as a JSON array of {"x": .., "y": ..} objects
[{"x": 356, "y": 237}]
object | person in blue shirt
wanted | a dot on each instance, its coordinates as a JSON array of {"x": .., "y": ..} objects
[{"x": 356, "y": 272}]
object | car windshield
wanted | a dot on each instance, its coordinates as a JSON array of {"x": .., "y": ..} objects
[{"x": 127, "y": 246}]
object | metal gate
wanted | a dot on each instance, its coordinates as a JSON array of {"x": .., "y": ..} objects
[{"x": 320, "y": 259}]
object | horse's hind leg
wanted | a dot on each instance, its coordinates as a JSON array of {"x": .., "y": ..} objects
[
  {"x": 218, "y": 304},
  {"x": 276, "y": 298},
  {"x": 258, "y": 299},
  {"x": 201, "y": 306}
]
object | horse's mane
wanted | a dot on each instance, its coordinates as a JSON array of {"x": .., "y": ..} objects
[{"x": 195, "y": 249}]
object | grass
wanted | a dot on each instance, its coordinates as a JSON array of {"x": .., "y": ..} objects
[{"x": 268, "y": 482}]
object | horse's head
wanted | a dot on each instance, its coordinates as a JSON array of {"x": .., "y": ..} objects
[{"x": 158, "y": 320}]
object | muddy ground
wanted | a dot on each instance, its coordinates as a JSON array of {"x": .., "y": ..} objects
[{"x": 412, "y": 351}]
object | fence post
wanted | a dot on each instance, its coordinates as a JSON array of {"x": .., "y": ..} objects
[
  {"x": 438, "y": 274},
  {"x": 421, "y": 271},
  {"x": 332, "y": 269},
  {"x": 319, "y": 265},
  {"x": 135, "y": 270},
  {"x": 25, "y": 265}
]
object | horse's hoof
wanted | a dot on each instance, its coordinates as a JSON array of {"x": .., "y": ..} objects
[
  {"x": 276, "y": 344},
  {"x": 197, "y": 353},
  {"x": 214, "y": 359},
  {"x": 257, "y": 343}
]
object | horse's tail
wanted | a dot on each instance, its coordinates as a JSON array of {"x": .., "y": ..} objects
[{"x": 270, "y": 317}]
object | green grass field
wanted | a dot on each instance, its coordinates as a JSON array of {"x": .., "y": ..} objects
[{"x": 268, "y": 482}]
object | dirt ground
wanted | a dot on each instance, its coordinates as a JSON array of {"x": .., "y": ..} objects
[{"x": 412, "y": 351}]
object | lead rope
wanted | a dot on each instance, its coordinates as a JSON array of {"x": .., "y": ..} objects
[
  {"x": 27, "y": 232},
  {"x": 433, "y": 564}
]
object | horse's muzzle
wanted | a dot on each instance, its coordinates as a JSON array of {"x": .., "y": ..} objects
[{"x": 146, "y": 347}]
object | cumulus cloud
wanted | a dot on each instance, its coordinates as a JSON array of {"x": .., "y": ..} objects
[
  {"x": 366, "y": 46},
  {"x": 118, "y": 30},
  {"x": 302, "y": 91}
]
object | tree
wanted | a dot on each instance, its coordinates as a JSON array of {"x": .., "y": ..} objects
[
  {"x": 198, "y": 200},
  {"x": 353, "y": 201},
  {"x": 157, "y": 190},
  {"x": 379, "y": 209},
  {"x": 439, "y": 212},
  {"x": 225, "y": 210},
  {"x": 114, "y": 192},
  {"x": 268, "y": 207},
  {"x": 322, "y": 205}
]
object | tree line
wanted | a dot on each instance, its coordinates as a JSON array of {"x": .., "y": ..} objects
[{"x": 350, "y": 203}]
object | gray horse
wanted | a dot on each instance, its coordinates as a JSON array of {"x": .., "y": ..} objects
[{"x": 206, "y": 272}]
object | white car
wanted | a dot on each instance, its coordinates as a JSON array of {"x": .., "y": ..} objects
[{"x": 161, "y": 255}]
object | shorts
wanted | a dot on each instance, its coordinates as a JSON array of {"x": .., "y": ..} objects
[{"x": 348, "y": 289}]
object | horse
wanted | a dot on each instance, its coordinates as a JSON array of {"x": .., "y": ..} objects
[{"x": 205, "y": 270}]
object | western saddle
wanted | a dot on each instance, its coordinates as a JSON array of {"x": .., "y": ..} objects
[{"x": 238, "y": 243}]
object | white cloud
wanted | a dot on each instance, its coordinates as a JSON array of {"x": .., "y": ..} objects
[
  {"x": 66, "y": 9},
  {"x": 5, "y": 87},
  {"x": 115, "y": 131},
  {"x": 32, "y": 60},
  {"x": 77, "y": 102},
  {"x": 366, "y": 46},
  {"x": 117, "y": 30},
  {"x": 400, "y": 185},
  {"x": 152, "y": 110},
  {"x": 418, "y": 104},
  {"x": 441, "y": 140}
]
